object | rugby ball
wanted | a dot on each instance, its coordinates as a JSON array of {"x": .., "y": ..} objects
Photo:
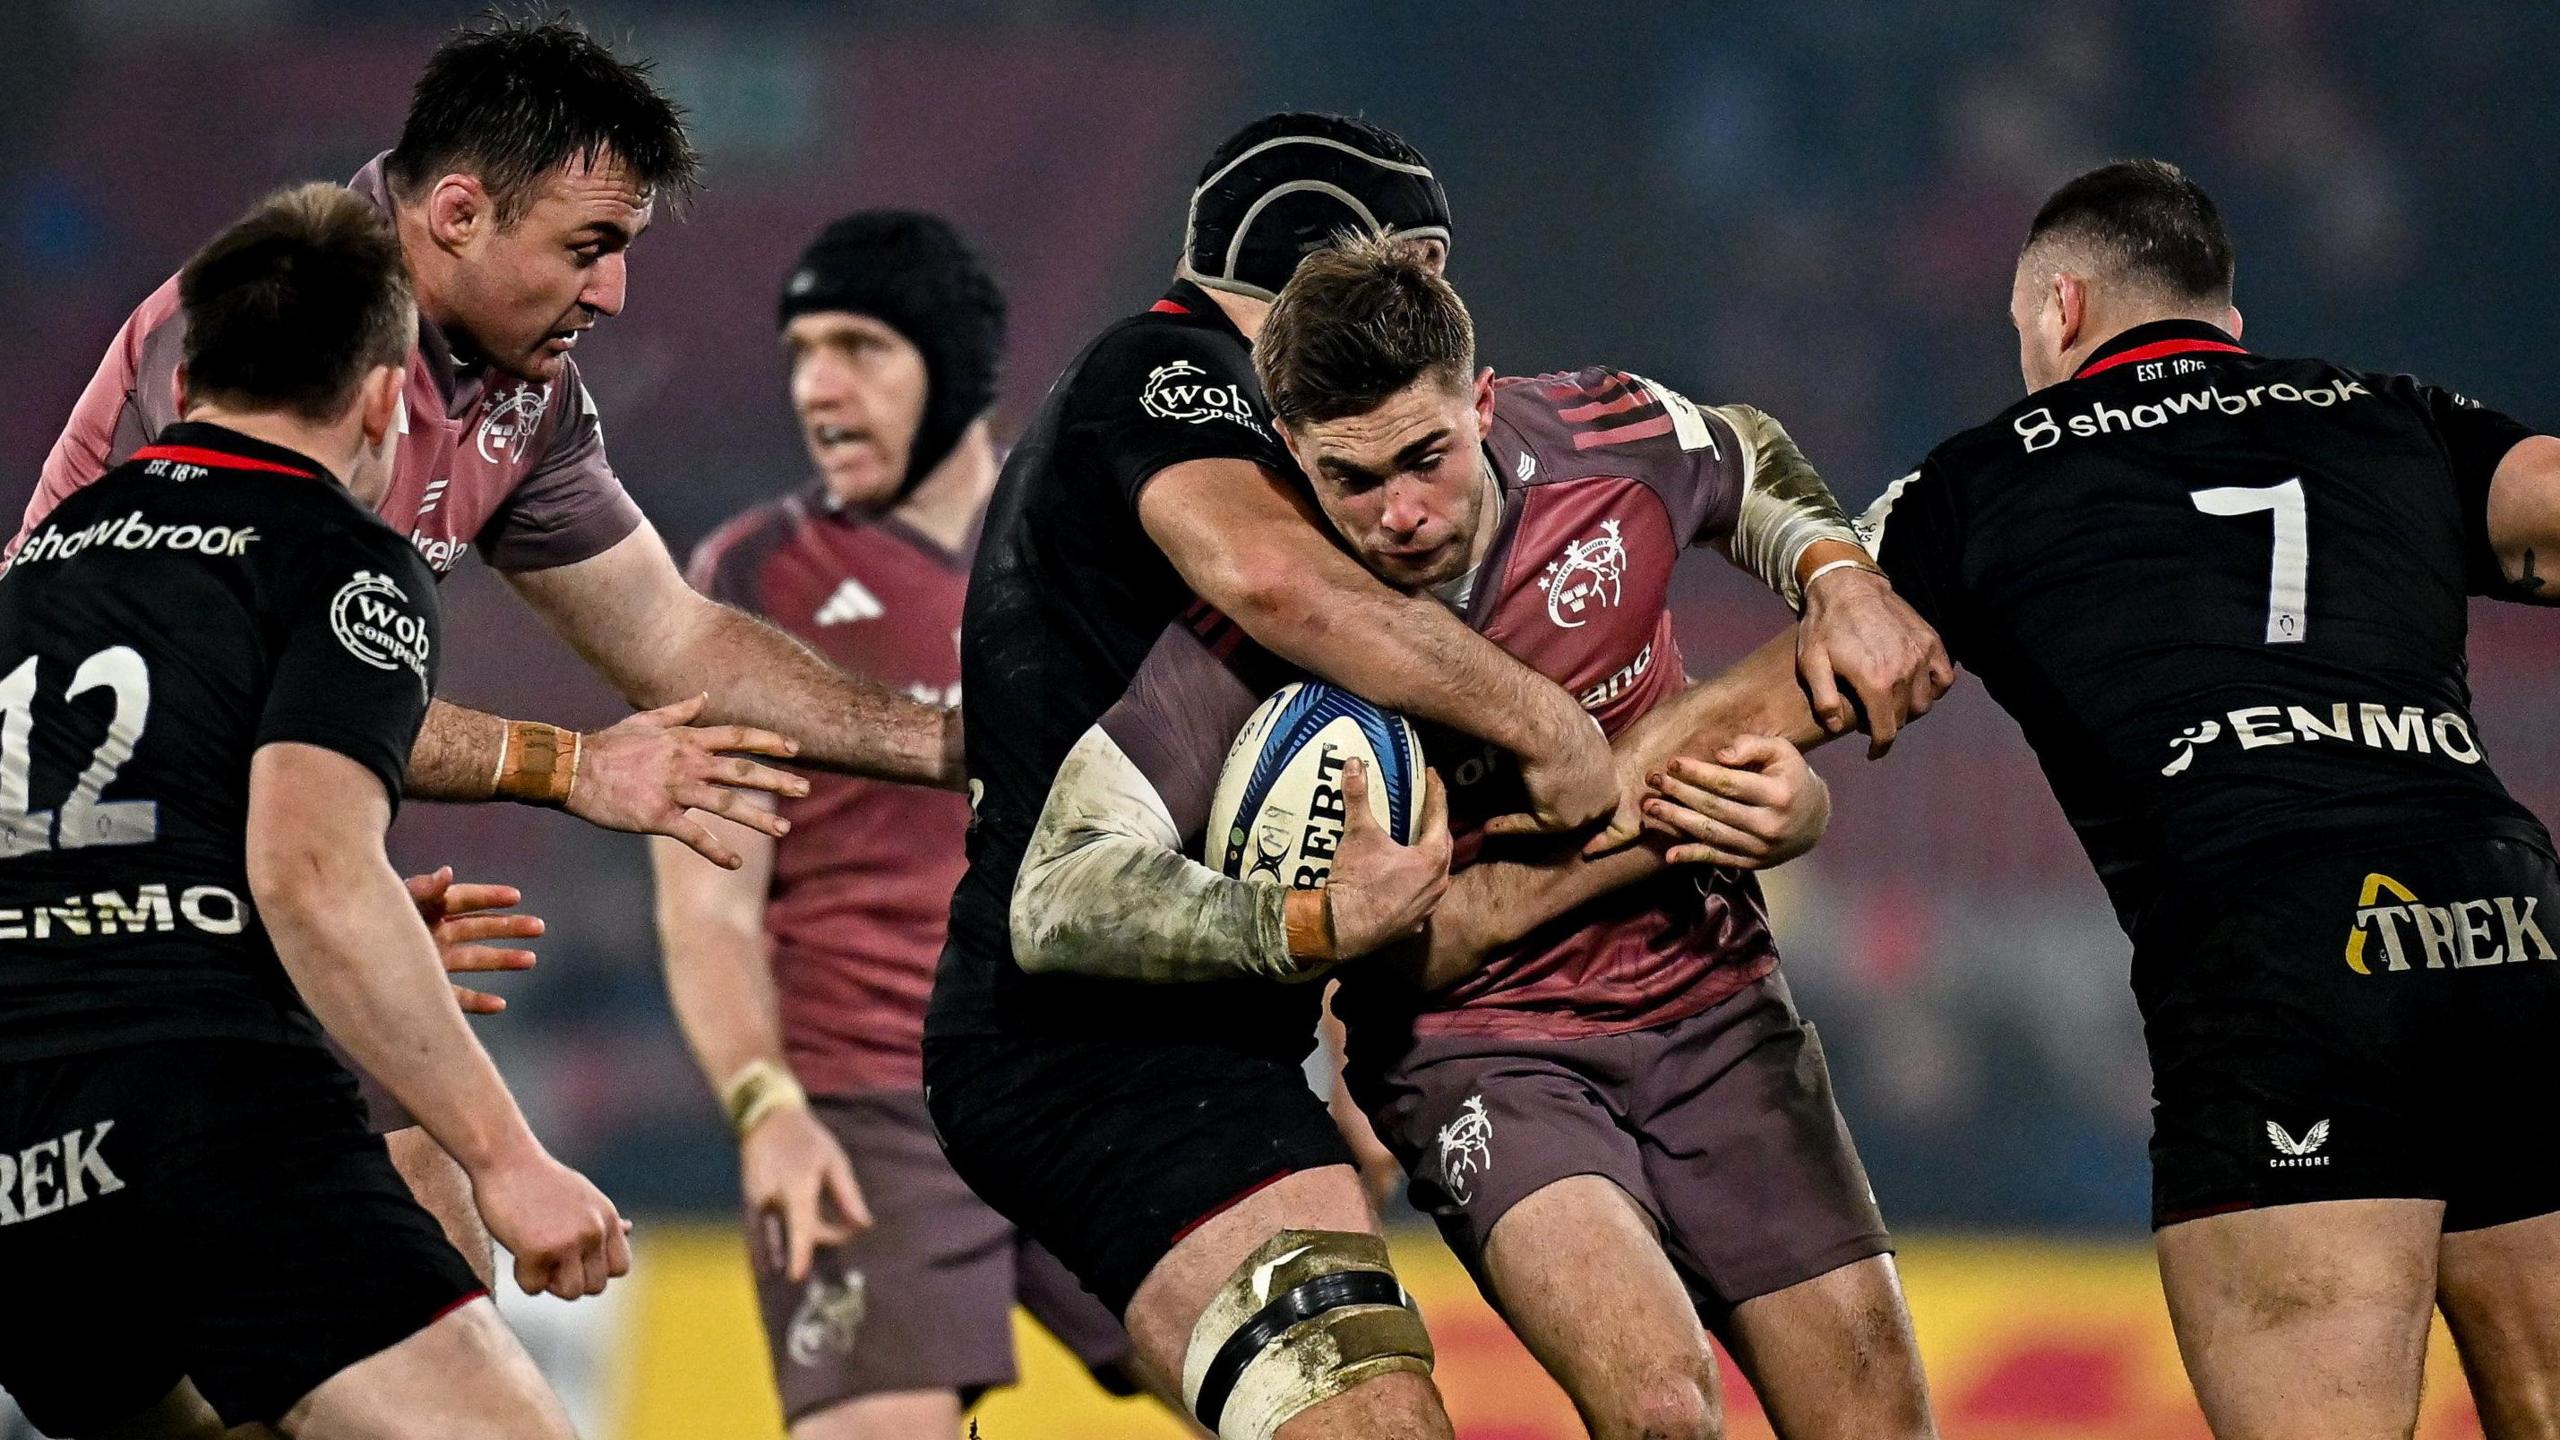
[{"x": 1279, "y": 809}]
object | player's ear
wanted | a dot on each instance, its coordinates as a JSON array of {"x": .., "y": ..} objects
[
  {"x": 2232, "y": 314},
  {"x": 378, "y": 401},
  {"x": 2071, "y": 309},
  {"x": 459, "y": 211},
  {"x": 1484, "y": 397},
  {"x": 178, "y": 390}
]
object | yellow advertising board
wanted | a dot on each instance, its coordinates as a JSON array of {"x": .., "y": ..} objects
[{"x": 2024, "y": 1340}]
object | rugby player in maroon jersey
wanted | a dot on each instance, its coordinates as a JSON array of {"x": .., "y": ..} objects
[
  {"x": 800, "y": 977},
  {"x": 530, "y": 161},
  {"x": 1590, "y": 1067}
]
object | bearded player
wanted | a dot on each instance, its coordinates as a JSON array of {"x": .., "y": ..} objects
[
  {"x": 1605, "y": 1096},
  {"x": 531, "y": 160},
  {"x": 800, "y": 977}
]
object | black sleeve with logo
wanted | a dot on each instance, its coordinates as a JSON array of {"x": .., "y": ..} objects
[
  {"x": 2224, "y": 595},
  {"x": 355, "y": 659},
  {"x": 157, "y": 628},
  {"x": 1152, "y": 396}
]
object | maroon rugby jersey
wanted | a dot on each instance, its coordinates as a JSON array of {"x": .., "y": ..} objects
[
  {"x": 862, "y": 885},
  {"x": 515, "y": 466},
  {"x": 1606, "y": 478}
]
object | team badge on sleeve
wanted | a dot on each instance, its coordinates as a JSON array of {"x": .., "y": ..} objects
[
  {"x": 1179, "y": 390},
  {"x": 377, "y": 622}
]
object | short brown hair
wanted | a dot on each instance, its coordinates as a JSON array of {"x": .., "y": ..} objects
[
  {"x": 287, "y": 309},
  {"x": 1359, "y": 321}
]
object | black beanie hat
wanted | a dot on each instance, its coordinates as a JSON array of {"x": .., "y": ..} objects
[
  {"x": 913, "y": 273},
  {"x": 1282, "y": 187}
]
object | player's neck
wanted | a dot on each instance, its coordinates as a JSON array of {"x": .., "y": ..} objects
[
  {"x": 333, "y": 447},
  {"x": 944, "y": 506},
  {"x": 2104, "y": 327},
  {"x": 1243, "y": 311}
]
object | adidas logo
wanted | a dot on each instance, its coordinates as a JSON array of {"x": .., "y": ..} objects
[{"x": 850, "y": 603}]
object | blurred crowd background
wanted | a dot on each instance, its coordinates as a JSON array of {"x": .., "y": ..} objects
[{"x": 1811, "y": 205}]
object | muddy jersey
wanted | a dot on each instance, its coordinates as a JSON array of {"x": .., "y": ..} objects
[
  {"x": 2225, "y": 596},
  {"x": 1606, "y": 478},
  {"x": 211, "y": 596},
  {"x": 861, "y": 888},
  {"x": 1066, "y": 597},
  {"x": 516, "y": 467}
]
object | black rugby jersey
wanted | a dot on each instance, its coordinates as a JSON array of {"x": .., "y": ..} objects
[
  {"x": 2224, "y": 596},
  {"x": 211, "y": 595},
  {"x": 1067, "y": 596}
]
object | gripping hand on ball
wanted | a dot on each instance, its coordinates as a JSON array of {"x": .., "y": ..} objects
[{"x": 1381, "y": 892}]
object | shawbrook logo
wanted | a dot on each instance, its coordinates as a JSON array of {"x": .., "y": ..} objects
[
  {"x": 2041, "y": 429},
  {"x": 2294, "y": 1154},
  {"x": 2466, "y": 934}
]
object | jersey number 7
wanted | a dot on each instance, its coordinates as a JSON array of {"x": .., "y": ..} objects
[
  {"x": 84, "y": 820},
  {"x": 2289, "y": 571}
]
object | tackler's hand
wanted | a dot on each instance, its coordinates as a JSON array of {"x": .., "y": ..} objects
[
  {"x": 646, "y": 774},
  {"x": 1381, "y": 892},
  {"x": 1857, "y": 633}
]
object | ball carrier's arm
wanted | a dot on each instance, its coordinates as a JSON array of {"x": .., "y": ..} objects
[{"x": 1247, "y": 542}]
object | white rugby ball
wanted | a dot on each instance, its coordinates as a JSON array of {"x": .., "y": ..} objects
[{"x": 1279, "y": 808}]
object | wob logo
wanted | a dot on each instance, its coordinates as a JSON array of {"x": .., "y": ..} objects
[
  {"x": 374, "y": 619},
  {"x": 1177, "y": 390}
]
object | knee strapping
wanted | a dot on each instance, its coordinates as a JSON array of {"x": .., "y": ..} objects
[{"x": 1307, "y": 1316}]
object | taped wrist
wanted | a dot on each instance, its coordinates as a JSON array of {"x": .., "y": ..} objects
[
  {"x": 1786, "y": 508},
  {"x": 538, "y": 763},
  {"x": 758, "y": 1089},
  {"x": 1307, "y": 1316}
]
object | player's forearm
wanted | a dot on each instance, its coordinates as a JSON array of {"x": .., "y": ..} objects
[
  {"x": 719, "y": 967},
  {"x": 351, "y": 940},
  {"x": 1105, "y": 889},
  {"x": 456, "y": 756},
  {"x": 1757, "y": 695},
  {"x": 757, "y": 675},
  {"x": 1787, "y": 512},
  {"x": 1493, "y": 904}
]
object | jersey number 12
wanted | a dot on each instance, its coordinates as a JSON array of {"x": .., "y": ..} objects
[
  {"x": 84, "y": 819},
  {"x": 2289, "y": 571}
]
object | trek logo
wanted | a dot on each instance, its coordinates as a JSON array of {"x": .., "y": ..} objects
[
  {"x": 829, "y": 1318},
  {"x": 212, "y": 909},
  {"x": 2040, "y": 429},
  {"x": 133, "y": 532},
  {"x": 55, "y": 1174},
  {"x": 1589, "y": 573},
  {"x": 2373, "y": 726},
  {"x": 2292, "y": 1154},
  {"x": 1466, "y": 1149},
  {"x": 508, "y": 421},
  {"x": 372, "y": 617},
  {"x": 2464, "y": 935},
  {"x": 1172, "y": 394}
]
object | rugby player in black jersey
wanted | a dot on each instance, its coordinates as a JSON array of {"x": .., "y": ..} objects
[
  {"x": 2224, "y": 596},
  {"x": 213, "y": 664},
  {"x": 1161, "y": 1139}
]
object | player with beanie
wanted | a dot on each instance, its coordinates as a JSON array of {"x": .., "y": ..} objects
[{"x": 800, "y": 978}]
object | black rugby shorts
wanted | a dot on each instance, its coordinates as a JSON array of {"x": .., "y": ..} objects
[
  {"x": 1108, "y": 1151},
  {"x": 2364, "y": 1026},
  {"x": 202, "y": 1209}
]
